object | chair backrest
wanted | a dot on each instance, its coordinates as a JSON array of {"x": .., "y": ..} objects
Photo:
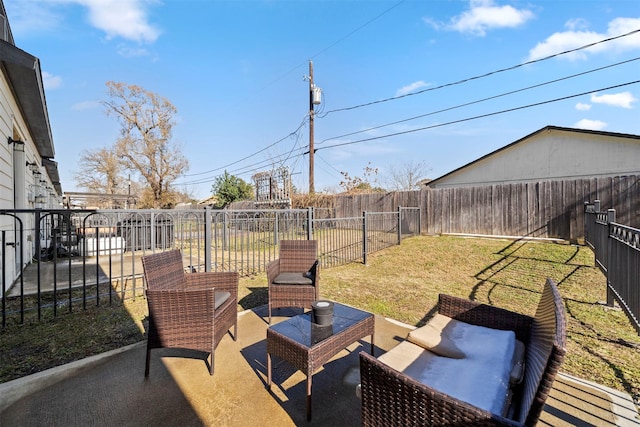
[
  {"x": 297, "y": 255},
  {"x": 164, "y": 270},
  {"x": 545, "y": 353}
]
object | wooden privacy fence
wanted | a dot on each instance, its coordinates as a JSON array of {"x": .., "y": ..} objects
[
  {"x": 617, "y": 254},
  {"x": 548, "y": 209}
]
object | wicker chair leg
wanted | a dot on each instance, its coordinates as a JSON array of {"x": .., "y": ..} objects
[
  {"x": 146, "y": 366},
  {"x": 235, "y": 331},
  {"x": 211, "y": 364}
]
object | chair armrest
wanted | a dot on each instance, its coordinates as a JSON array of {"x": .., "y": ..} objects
[
  {"x": 391, "y": 398},
  {"x": 479, "y": 314},
  {"x": 181, "y": 309},
  {"x": 218, "y": 280},
  {"x": 273, "y": 269}
]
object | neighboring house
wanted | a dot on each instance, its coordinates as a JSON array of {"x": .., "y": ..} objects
[
  {"x": 551, "y": 153},
  {"x": 28, "y": 175},
  {"x": 209, "y": 201}
]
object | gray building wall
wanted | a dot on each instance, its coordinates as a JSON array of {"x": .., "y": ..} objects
[{"x": 551, "y": 153}]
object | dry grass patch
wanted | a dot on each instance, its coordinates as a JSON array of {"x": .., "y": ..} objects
[{"x": 403, "y": 283}]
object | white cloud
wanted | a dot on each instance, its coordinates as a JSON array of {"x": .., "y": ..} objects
[
  {"x": 621, "y": 26},
  {"x": 86, "y": 105},
  {"x": 572, "y": 39},
  {"x": 372, "y": 149},
  {"x": 590, "y": 124},
  {"x": 411, "y": 87},
  {"x": 433, "y": 23},
  {"x": 132, "y": 52},
  {"x": 29, "y": 16},
  {"x": 583, "y": 107},
  {"x": 117, "y": 18},
  {"x": 622, "y": 99},
  {"x": 50, "y": 81},
  {"x": 126, "y": 19},
  {"x": 485, "y": 15},
  {"x": 576, "y": 24}
]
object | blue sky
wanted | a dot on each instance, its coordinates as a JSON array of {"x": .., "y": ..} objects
[{"x": 234, "y": 70}]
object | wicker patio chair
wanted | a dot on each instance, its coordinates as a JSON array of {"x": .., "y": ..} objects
[
  {"x": 294, "y": 278},
  {"x": 391, "y": 398},
  {"x": 188, "y": 310}
]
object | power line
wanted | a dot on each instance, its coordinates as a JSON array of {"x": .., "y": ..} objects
[
  {"x": 251, "y": 168},
  {"x": 254, "y": 154},
  {"x": 513, "y": 67},
  {"x": 261, "y": 164},
  {"x": 340, "y": 40},
  {"x": 416, "y": 93},
  {"x": 329, "y": 164},
  {"x": 481, "y": 100},
  {"x": 257, "y": 166},
  {"x": 359, "y": 28},
  {"x": 495, "y": 113},
  {"x": 240, "y": 171}
]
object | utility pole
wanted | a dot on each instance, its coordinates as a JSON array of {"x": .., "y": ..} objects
[{"x": 311, "y": 149}]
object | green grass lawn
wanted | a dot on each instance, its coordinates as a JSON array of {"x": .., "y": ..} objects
[{"x": 403, "y": 283}]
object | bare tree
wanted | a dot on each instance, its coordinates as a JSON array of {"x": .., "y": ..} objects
[
  {"x": 364, "y": 184},
  {"x": 406, "y": 176},
  {"x": 100, "y": 171},
  {"x": 144, "y": 145}
]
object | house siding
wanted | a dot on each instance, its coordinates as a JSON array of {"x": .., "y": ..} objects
[
  {"x": 16, "y": 181},
  {"x": 551, "y": 154}
]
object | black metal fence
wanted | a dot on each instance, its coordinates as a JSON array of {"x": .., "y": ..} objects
[
  {"x": 617, "y": 254},
  {"x": 61, "y": 260}
]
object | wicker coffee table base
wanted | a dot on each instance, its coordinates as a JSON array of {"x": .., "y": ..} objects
[{"x": 310, "y": 359}]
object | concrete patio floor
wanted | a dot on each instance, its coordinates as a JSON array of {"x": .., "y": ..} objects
[{"x": 111, "y": 389}]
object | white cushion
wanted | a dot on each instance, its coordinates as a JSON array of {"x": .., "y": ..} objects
[
  {"x": 219, "y": 298},
  {"x": 481, "y": 378},
  {"x": 434, "y": 337},
  {"x": 517, "y": 364}
]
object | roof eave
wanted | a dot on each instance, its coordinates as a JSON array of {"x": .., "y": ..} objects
[{"x": 25, "y": 78}]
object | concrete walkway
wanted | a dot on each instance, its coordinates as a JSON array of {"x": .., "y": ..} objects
[
  {"x": 123, "y": 271},
  {"x": 110, "y": 389}
]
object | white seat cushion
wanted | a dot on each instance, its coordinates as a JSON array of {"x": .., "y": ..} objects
[
  {"x": 481, "y": 378},
  {"x": 219, "y": 298},
  {"x": 434, "y": 337}
]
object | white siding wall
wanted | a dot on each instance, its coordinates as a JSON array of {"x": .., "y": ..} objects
[
  {"x": 12, "y": 163},
  {"x": 551, "y": 155},
  {"x": 7, "y": 223}
]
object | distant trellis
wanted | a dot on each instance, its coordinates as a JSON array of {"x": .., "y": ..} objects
[{"x": 273, "y": 188}]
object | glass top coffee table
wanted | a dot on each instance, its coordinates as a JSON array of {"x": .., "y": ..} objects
[{"x": 307, "y": 346}]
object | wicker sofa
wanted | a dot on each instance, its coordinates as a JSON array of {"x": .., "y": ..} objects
[{"x": 391, "y": 397}]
